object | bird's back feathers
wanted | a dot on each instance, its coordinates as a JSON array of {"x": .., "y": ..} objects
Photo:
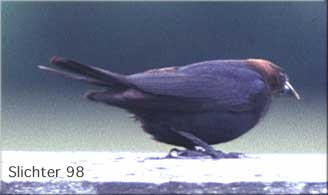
[
  {"x": 212, "y": 81},
  {"x": 210, "y": 85}
]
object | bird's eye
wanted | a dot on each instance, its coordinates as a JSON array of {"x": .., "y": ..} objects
[{"x": 283, "y": 77}]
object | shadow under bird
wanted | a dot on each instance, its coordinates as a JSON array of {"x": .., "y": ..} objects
[{"x": 193, "y": 106}]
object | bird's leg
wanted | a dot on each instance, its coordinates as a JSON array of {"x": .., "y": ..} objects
[
  {"x": 207, "y": 149},
  {"x": 198, "y": 142}
]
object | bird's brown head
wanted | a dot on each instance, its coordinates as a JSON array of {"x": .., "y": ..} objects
[{"x": 275, "y": 76}]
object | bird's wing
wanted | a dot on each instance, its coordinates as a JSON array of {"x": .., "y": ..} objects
[{"x": 223, "y": 92}]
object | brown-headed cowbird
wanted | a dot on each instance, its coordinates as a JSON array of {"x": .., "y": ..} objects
[{"x": 193, "y": 106}]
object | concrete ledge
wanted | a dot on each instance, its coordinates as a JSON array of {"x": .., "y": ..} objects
[
  {"x": 164, "y": 188},
  {"x": 139, "y": 173}
]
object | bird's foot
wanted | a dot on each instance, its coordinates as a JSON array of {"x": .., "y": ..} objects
[
  {"x": 196, "y": 154},
  {"x": 222, "y": 155},
  {"x": 201, "y": 149},
  {"x": 180, "y": 154}
]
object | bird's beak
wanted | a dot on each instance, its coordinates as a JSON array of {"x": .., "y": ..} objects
[{"x": 289, "y": 89}]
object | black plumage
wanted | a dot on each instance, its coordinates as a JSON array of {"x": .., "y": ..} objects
[{"x": 194, "y": 105}]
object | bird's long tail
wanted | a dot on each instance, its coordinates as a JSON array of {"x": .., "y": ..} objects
[{"x": 90, "y": 74}]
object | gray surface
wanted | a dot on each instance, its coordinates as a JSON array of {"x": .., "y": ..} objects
[
  {"x": 149, "y": 173},
  {"x": 165, "y": 188}
]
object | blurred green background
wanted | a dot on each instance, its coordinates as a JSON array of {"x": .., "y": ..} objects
[{"x": 43, "y": 112}]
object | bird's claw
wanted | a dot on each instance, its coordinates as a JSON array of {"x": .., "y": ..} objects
[
  {"x": 182, "y": 154},
  {"x": 196, "y": 154},
  {"x": 223, "y": 155}
]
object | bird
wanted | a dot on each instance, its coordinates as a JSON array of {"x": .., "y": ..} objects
[{"x": 192, "y": 106}]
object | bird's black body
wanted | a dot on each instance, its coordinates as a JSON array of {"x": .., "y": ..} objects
[
  {"x": 215, "y": 101},
  {"x": 204, "y": 99}
]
